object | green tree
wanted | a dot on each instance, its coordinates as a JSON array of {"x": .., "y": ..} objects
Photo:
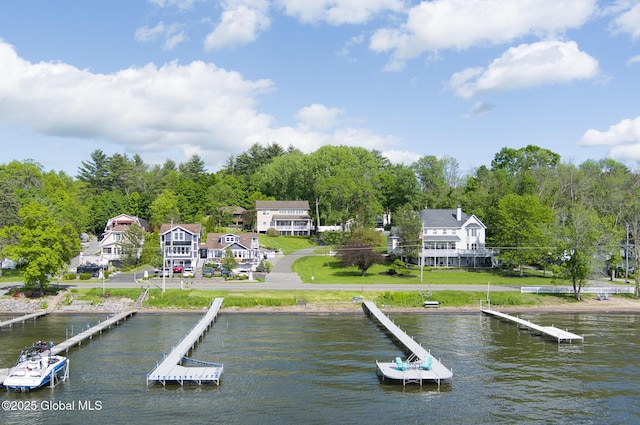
[
  {"x": 164, "y": 209},
  {"x": 228, "y": 259},
  {"x": 39, "y": 244},
  {"x": 132, "y": 242},
  {"x": 582, "y": 235},
  {"x": 409, "y": 227},
  {"x": 354, "y": 253},
  {"x": 522, "y": 230},
  {"x": 95, "y": 172},
  {"x": 151, "y": 252}
]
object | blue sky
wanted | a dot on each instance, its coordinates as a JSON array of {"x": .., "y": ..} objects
[{"x": 458, "y": 78}]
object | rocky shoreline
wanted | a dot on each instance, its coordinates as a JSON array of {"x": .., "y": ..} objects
[{"x": 111, "y": 305}]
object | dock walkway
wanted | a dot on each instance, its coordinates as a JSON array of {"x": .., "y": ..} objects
[
  {"x": 78, "y": 339},
  {"x": 556, "y": 333},
  {"x": 22, "y": 319},
  {"x": 171, "y": 371},
  {"x": 414, "y": 372}
]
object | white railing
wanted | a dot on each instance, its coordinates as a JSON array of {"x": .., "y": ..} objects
[{"x": 584, "y": 290}]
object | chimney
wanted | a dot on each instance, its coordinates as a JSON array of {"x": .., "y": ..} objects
[{"x": 459, "y": 213}]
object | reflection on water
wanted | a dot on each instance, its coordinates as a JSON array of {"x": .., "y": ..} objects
[{"x": 292, "y": 369}]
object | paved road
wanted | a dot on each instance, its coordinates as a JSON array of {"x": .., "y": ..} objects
[{"x": 281, "y": 278}]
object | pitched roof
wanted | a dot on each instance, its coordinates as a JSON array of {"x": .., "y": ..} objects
[
  {"x": 276, "y": 205},
  {"x": 441, "y": 218},
  {"x": 191, "y": 228},
  {"x": 212, "y": 241}
]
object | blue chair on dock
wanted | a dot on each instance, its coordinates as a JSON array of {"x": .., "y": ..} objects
[
  {"x": 426, "y": 363},
  {"x": 400, "y": 365}
]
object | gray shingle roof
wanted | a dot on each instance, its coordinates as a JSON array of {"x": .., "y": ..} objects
[
  {"x": 442, "y": 218},
  {"x": 276, "y": 205}
]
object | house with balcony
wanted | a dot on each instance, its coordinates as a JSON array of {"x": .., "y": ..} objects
[
  {"x": 450, "y": 238},
  {"x": 110, "y": 241},
  {"x": 289, "y": 218},
  {"x": 180, "y": 244},
  {"x": 244, "y": 246}
]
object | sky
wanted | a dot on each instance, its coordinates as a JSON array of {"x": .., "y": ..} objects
[{"x": 169, "y": 79}]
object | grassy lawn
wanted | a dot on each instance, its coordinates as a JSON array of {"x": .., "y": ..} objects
[
  {"x": 327, "y": 269},
  {"x": 200, "y": 299},
  {"x": 286, "y": 244}
]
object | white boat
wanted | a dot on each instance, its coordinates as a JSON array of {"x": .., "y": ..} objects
[{"x": 37, "y": 367}]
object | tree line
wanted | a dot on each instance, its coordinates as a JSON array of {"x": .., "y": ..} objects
[{"x": 537, "y": 209}]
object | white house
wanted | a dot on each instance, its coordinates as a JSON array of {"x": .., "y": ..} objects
[
  {"x": 450, "y": 238},
  {"x": 244, "y": 246},
  {"x": 290, "y": 218},
  {"x": 110, "y": 242}
]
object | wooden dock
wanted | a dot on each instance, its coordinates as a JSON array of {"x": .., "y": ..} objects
[
  {"x": 412, "y": 370},
  {"x": 171, "y": 371},
  {"x": 22, "y": 319},
  {"x": 78, "y": 339},
  {"x": 556, "y": 333}
]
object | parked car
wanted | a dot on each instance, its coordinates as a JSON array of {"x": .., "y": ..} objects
[
  {"x": 187, "y": 272},
  {"x": 178, "y": 269},
  {"x": 208, "y": 271},
  {"x": 92, "y": 269}
]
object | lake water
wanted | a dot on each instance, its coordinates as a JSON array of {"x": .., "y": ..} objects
[{"x": 320, "y": 369}]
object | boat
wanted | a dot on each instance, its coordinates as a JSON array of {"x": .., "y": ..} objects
[{"x": 36, "y": 367}]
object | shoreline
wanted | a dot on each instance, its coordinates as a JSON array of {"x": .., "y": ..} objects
[{"x": 614, "y": 305}]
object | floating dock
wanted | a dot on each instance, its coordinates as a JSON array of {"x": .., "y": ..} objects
[
  {"x": 22, "y": 319},
  {"x": 556, "y": 333},
  {"x": 420, "y": 366},
  {"x": 171, "y": 371},
  {"x": 78, "y": 339}
]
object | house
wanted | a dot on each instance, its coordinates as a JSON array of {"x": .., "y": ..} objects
[
  {"x": 180, "y": 244},
  {"x": 237, "y": 214},
  {"x": 289, "y": 218},
  {"x": 450, "y": 238},
  {"x": 245, "y": 248},
  {"x": 110, "y": 242}
]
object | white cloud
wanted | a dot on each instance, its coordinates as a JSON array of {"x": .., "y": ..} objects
[
  {"x": 633, "y": 59},
  {"x": 401, "y": 157},
  {"x": 623, "y": 139},
  {"x": 527, "y": 65},
  {"x": 479, "y": 109},
  {"x": 338, "y": 12},
  {"x": 460, "y": 24},
  {"x": 629, "y": 20},
  {"x": 241, "y": 23},
  {"x": 626, "y": 132},
  {"x": 318, "y": 116},
  {"x": 180, "y": 4},
  {"x": 172, "y": 34},
  {"x": 192, "y": 108}
]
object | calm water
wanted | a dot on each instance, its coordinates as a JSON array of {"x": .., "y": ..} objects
[{"x": 320, "y": 369}]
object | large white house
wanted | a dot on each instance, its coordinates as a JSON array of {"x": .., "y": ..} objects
[
  {"x": 289, "y": 218},
  {"x": 450, "y": 238},
  {"x": 111, "y": 239}
]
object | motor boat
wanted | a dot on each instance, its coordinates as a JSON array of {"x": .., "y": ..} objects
[{"x": 36, "y": 367}]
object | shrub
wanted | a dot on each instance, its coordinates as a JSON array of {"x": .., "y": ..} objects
[
  {"x": 272, "y": 232},
  {"x": 264, "y": 267},
  {"x": 69, "y": 276},
  {"x": 85, "y": 276}
]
